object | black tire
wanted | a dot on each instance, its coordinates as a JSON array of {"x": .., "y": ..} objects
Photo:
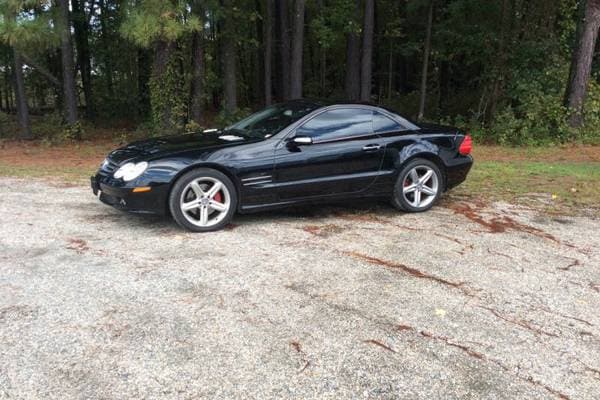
[
  {"x": 398, "y": 198},
  {"x": 182, "y": 184}
]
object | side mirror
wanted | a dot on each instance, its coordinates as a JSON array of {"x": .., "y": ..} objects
[{"x": 302, "y": 140}]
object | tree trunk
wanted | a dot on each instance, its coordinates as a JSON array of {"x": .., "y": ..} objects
[
  {"x": 352, "y": 77},
  {"x": 229, "y": 60},
  {"x": 581, "y": 64},
  {"x": 501, "y": 61},
  {"x": 106, "y": 49},
  {"x": 390, "y": 82},
  {"x": 22, "y": 107},
  {"x": 268, "y": 50},
  {"x": 284, "y": 37},
  {"x": 444, "y": 78},
  {"x": 66, "y": 47},
  {"x": 8, "y": 91},
  {"x": 144, "y": 73},
  {"x": 197, "y": 88},
  {"x": 81, "y": 30},
  {"x": 297, "y": 50},
  {"x": 366, "y": 68},
  {"x": 161, "y": 107},
  {"x": 426, "y": 51}
]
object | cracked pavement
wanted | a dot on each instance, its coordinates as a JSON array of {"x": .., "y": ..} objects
[{"x": 469, "y": 300}]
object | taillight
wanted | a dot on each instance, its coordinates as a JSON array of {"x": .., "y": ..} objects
[{"x": 466, "y": 146}]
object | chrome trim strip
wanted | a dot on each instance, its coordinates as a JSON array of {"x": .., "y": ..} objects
[
  {"x": 258, "y": 182},
  {"x": 257, "y": 178}
]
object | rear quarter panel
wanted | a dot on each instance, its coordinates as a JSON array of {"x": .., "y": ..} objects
[{"x": 439, "y": 146}]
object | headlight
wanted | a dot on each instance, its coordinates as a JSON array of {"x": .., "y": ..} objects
[{"x": 130, "y": 171}]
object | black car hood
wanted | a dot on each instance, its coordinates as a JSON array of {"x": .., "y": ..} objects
[{"x": 168, "y": 145}]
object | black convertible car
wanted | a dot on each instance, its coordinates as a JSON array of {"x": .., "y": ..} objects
[{"x": 290, "y": 153}]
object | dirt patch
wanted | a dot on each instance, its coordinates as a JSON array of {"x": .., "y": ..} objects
[
  {"x": 298, "y": 348},
  {"x": 34, "y": 154},
  {"x": 323, "y": 230},
  {"x": 409, "y": 270},
  {"x": 380, "y": 344},
  {"x": 79, "y": 245},
  {"x": 497, "y": 224},
  {"x": 520, "y": 322}
]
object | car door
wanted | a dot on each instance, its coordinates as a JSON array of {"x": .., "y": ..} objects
[{"x": 335, "y": 152}]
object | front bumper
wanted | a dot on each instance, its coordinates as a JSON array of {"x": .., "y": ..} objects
[{"x": 121, "y": 196}]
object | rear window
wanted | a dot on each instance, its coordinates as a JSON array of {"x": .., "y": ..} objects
[{"x": 382, "y": 123}]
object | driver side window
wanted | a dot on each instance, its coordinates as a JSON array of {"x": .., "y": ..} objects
[{"x": 337, "y": 124}]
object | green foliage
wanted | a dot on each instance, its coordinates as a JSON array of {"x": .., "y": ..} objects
[
  {"x": 151, "y": 20},
  {"x": 333, "y": 22},
  {"x": 225, "y": 118},
  {"x": 167, "y": 100},
  {"x": 27, "y": 24},
  {"x": 192, "y": 126},
  {"x": 72, "y": 132},
  {"x": 536, "y": 115},
  {"x": 498, "y": 69}
]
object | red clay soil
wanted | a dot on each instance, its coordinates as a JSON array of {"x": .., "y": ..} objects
[
  {"x": 498, "y": 224},
  {"x": 84, "y": 154}
]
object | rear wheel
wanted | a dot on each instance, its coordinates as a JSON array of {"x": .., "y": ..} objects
[
  {"x": 419, "y": 186},
  {"x": 203, "y": 200}
]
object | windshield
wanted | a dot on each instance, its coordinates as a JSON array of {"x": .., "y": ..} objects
[{"x": 273, "y": 119}]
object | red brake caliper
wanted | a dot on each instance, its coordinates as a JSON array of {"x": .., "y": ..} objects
[{"x": 218, "y": 197}]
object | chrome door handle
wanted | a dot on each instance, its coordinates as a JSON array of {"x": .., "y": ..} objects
[{"x": 371, "y": 147}]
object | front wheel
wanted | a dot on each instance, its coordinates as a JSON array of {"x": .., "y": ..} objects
[
  {"x": 203, "y": 200},
  {"x": 419, "y": 186}
]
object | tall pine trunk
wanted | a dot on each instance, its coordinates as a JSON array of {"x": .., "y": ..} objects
[
  {"x": 229, "y": 60},
  {"x": 502, "y": 59},
  {"x": 366, "y": 68},
  {"x": 22, "y": 107},
  {"x": 9, "y": 89},
  {"x": 390, "y": 81},
  {"x": 106, "y": 50},
  {"x": 19, "y": 87},
  {"x": 581, "y": 64},
  {"x": 81, "y": 30},
  {"x": 144, "y": 73},
  {"x": 352, "y": 76},
  {"x": 426, "y": 51},
  {"x": 197, "y": 87},
  {"x": 68, "y": 69},
  {"x": 284, "y": 52},
  {"x": 297, "y": 50},
  {"x": 268, "y": 51},
  {"x": 160, "y": 86}
]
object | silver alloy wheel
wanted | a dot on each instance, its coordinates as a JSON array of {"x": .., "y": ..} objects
[
  {"x": 205, "y": 201},
  {"x": 420, "y": 186}
]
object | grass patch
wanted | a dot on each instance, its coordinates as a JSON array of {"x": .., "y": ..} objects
[{"x": 553, "y": 185}]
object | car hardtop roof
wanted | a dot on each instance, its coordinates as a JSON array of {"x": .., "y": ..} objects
[{"x": 322, "y": 103}]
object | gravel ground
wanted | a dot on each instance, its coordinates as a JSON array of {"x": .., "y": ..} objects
[{"x": 469, "y": 300}]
